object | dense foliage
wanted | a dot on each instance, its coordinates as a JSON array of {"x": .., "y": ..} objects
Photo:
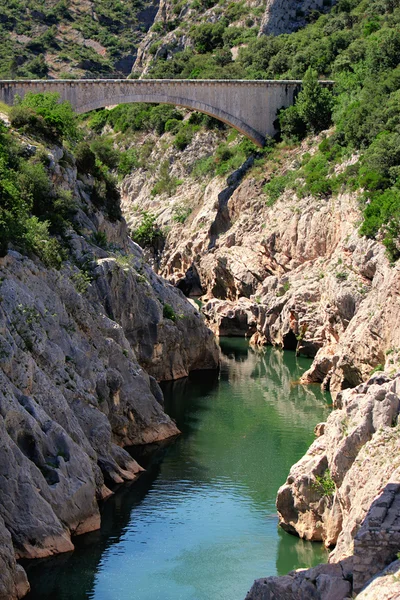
[{"x": 44, "y": 115}]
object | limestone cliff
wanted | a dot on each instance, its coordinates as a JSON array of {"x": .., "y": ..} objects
[
  {"x": 81, "y": 350},
  {"x": 296, "y": 274}
]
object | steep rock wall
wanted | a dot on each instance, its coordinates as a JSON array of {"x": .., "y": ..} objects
[
  {"x": 296, "y": 274},
  {"x": 81, "y": 350}
]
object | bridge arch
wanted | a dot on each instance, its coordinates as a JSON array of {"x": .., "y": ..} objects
[{"x": 202, "y": 107}]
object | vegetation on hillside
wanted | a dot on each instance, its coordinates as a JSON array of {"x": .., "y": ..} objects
[
  {"x": 41, "y": 37},
  {"x": 35, "y": 213},
  {"x": 352, "y": 31}
]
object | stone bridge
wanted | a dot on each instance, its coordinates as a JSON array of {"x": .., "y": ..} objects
[{"x": 248, "y": 106}]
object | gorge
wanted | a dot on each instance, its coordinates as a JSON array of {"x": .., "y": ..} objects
[
  {"x": 201, "y": 522},
  {"x": 134, "y": 235}
]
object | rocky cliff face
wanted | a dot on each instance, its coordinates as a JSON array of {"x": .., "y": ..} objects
[
  {"x": 346, "y": 491},
  {"x": 296, "y": 274},
  {"x": 81, "y": 350},
  {"x": 281, "y": 16}
]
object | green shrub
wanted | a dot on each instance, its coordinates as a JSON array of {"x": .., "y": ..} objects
[
  {"x": 61, "y": 210},
  {"x": 325, "y": 484},
  {"x": 292, "y": 126},
  {"x": 85, "y": 158},
  {"x": 180, "y": 213},
  {"x": 223, "y": 153},
  {"x": 383, "y": 212},
  {"x": 160, "y": 115},
  {"x": 14, "y": 208},
  {"x": 36, "y": 239},
  {"x": 38, "y": 66},
  {"x": 168, "y": 312},
  {"x": 44, "y": 114},
  {"x": 312, "y": 111},
  {"x": 172, "y": 125},
  {"x": 128, "y": 162},
  {"x": 157, "y": 27},
  {"x": 316, "y": 180},
  {"x": 379, "y": 367},
  {"x": 142, "y": 117},
  {"x": 184, "y": 137},
  {"x": 110, "y": 196},
  {"x": 98, "y": 120},
  {"x": 275, "y": 188},
  {"x": 284, "y": 289},
  {"x": 148, "y": 231},
  {"x": 81, "y": 280},
  {"x": 99, "y": 238},
  {"x": 166, "y": 184},
  {"x": 104, "y": 150},
  {"x": 25, "y": 188},
  {"x": 207, "y": 36},
  {"x": 236, "y": 10},
  {"x": 204, "y": 166},
  {"x": 342, "y": 275},
  {"x": 35, "y": 186},
  {"x": 25, "y": 119}
]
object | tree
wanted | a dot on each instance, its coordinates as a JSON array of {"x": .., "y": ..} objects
[
  {"x": 314, "y": 103},
  {"x": 312, "y": 111}
]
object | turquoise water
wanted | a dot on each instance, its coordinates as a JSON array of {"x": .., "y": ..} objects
[{"x": 201, "y": 523}]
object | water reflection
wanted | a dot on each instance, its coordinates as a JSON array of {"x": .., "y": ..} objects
[{"x": 201, "y": 523}]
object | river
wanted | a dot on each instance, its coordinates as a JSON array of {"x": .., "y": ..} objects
[{"x": 201, "y": 523}]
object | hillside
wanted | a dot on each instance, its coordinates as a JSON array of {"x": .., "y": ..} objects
[
  {"x": 92, "y": 38},
  {"x": 205, "y": 201},
  {"x": 357, "y": 44},
  {"x": 66, "y": 38}
]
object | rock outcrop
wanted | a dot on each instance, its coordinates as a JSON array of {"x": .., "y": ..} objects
[
  {"x": 385, "y": 586},
  {"x": 171, "y": 35},
  {"x": 13, "y": 581},
  {"x": 283, "y": 16},
  {"x": 295, "y": 273},
  {"x": 324, "y": 582}
]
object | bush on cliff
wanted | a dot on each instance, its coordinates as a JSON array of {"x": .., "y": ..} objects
[
  {"x": 21, "y": 186},
  {"x": 148, "y": 232},
  {"x": 32, "y": 208},
  {"x": 45, "y": 116}
]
